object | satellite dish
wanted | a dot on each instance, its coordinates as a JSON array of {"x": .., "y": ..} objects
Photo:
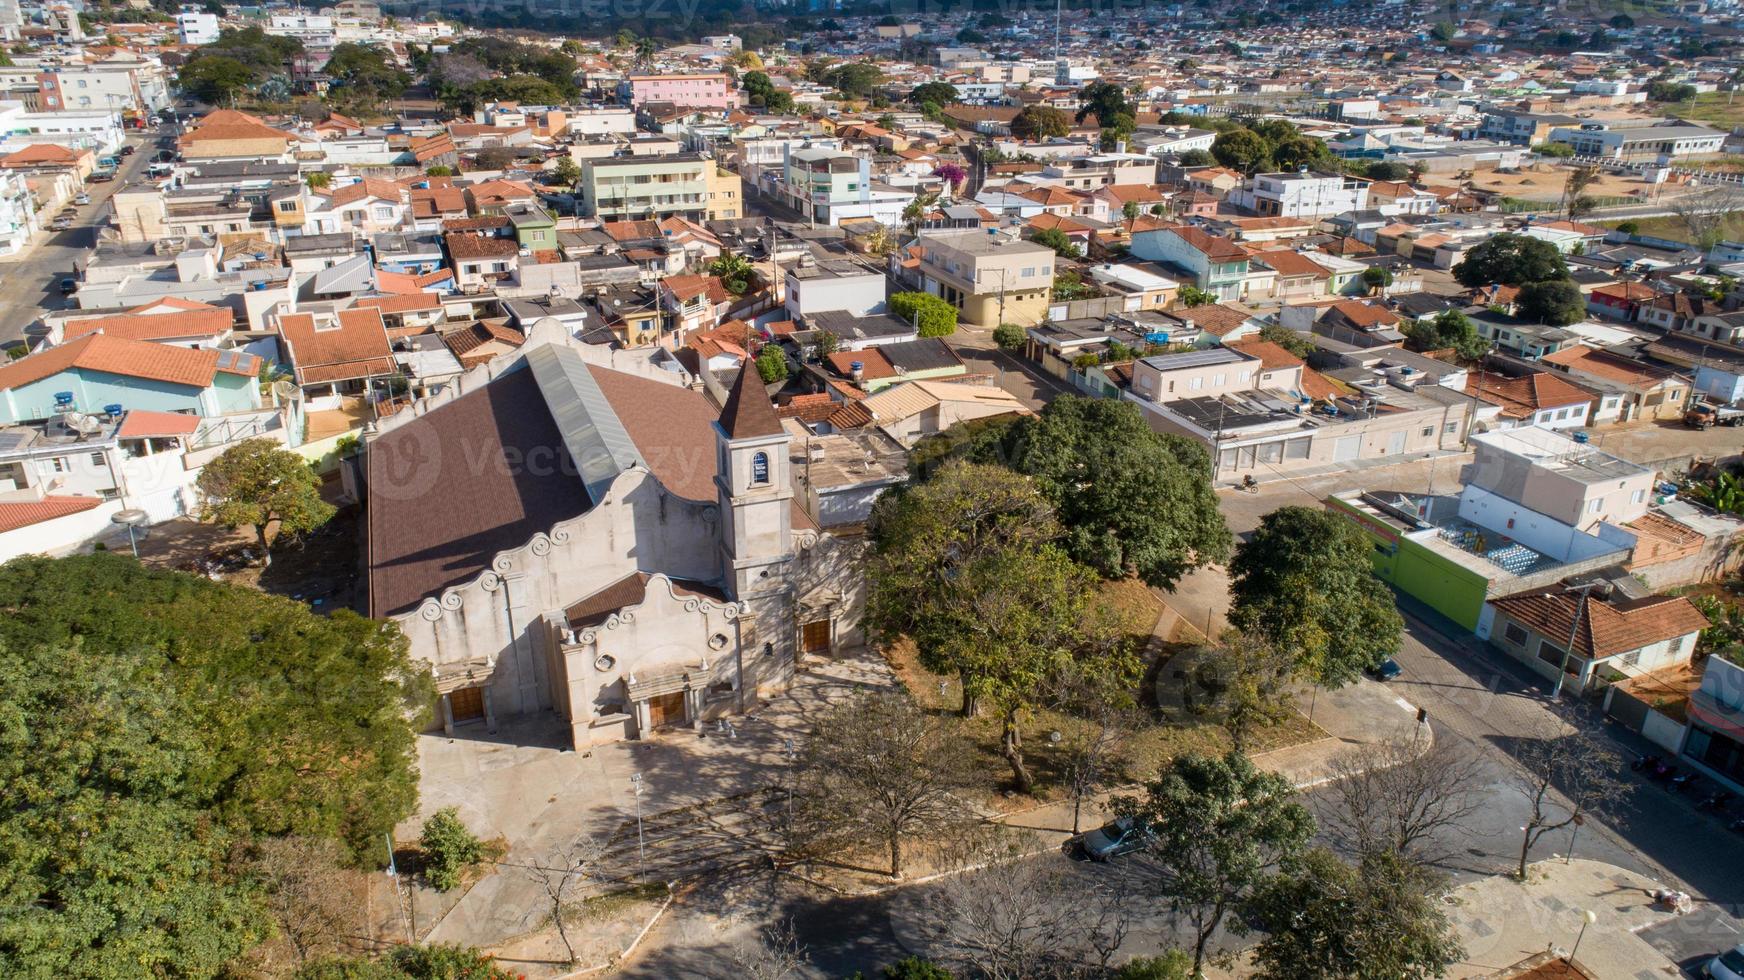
[
  {"x": 286, "y": 389},
  {"x": 131, "y": 517}
]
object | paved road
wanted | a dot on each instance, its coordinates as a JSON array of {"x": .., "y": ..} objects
[{"x": 32, "y": 279}]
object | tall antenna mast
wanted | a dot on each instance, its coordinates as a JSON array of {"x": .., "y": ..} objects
[{"x": 1058, "y": 5}]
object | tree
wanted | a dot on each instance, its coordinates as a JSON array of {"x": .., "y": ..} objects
[
  {"x": 734, "y": 271},
  {"x": 1564, "y": 774},
  {"x": 1057, "y": 240},
  {"x": 1132, "y": 501},
  {"x": 1448, "y": 329},
  {"x": 437, "y": 961},
  {"x": 879, "y": 241},
  {"x": 1578, "y": 180},
  {"x": 952, "y": 174},
  {"x": 1556, "y": 151},
  {"x": 914, "y": 213},
  {"x": 494, "y": 158},
  {"x": 1670, "y": 91},
  {"x": 746, "y": 60},
  {"x": 449, "y": 848},
  {"x": 878, "y": 768},
  {"x": 915, "y": 968},
  {"x": 1558, "y": 302},
  {"x": 215, "y": 79},
  {"x": 1387, "y": 170},
  {"x": 1243, "y": 150},
  {"x": 1243, "y": 683},
  {"x": 939, "y": 93},
  {"x": 1377, "y": 278},
  {"x": 1443, "y": 31},
  {"x": 1010, "y": 337},
  {"x": 932, "y": 315},
  {"x": 1191, "y": 296},
  {"x": 362, "y": 76},
  {"x": 438, "y": 171},
  {"x": 825, "y": 343},
  {"x": 1377, "y": 921},
  {"x": 966, "y": 566},
  {"x": 258, "y": 483},
  {"x": 1291, "y": 340},
  {"x": 318, "y": 179},
  {"x": 1040, "y": 122},
  {"x": 1105, "y": 100},
  {"x": 1196, "y": 158},
  {"x": 1512, "y": 260},
  {"x": 558, "y": 873},
  {"x": 855, "y": 80},
  {"x": 155, "y": 721},
  {"x": 304, "y": 890},
  {"x": 1174, "y": 964},
  {"x": 1304, "y": 582},
  {"x": 771, "y": 364},
  {"x": 1397, "y": 797},
  {"x": 566, "y": 171},
  {"x": 774, "y": 953},
  {"x": 1704, "y": 213},
  {"x": 1303, "y": 151},
  {"x": 1024, "y": 920},
  {"x": 1221, "y": 826}
]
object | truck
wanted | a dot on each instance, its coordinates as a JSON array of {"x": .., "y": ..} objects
[{"x": 1703, "y": 414}]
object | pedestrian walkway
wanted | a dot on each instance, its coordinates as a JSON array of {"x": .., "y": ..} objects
[{"x": 1502, "y": 921}]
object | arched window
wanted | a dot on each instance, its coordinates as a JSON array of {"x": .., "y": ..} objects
[{"x": 760, "y": 468}]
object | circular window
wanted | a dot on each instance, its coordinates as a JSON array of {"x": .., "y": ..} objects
[{"x": 718, "y": 641}]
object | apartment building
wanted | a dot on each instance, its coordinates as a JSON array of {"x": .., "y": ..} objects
[
  {"x": 989, "y": 278},
  {"x": 829, "y": 187},
  {"x": 1303, "y": 194},
  {"x": 195, "y": 26},
  {"x": 700, "y": 91},
  {"x": 631, "y": 188}
]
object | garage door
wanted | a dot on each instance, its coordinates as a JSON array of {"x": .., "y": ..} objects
[{"x": 1346, "y": 447}]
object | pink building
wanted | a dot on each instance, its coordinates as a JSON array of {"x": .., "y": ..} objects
[{"x": 702, "y": 91}]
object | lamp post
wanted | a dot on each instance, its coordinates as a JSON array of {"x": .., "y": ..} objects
[
  {"x": 1588, "y": 917},
  {"x": 641, "y": 850},
  {"x": 792, "y": 753}
]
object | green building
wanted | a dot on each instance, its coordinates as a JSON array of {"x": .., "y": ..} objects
[{"x": 535, "y": 230}]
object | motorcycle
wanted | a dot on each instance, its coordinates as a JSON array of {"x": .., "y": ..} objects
[
  {"x": 1660, "y": 770},
  {"x": 1715, "y": 801},
  {"x": 1642, "y": 762},
  {"x": 1681, "y": 782},
  {"x": 1249, "y": 485}
]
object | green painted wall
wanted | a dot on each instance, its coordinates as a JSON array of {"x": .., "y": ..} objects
[{"x": 1441, "y": 584}]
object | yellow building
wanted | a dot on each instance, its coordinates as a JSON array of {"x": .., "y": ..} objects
[
  {"x": 990, "y": 279},
  {"x": 726, "y": 195}
]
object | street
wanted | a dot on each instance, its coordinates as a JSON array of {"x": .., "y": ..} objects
[{"x": 32, "y": 279}]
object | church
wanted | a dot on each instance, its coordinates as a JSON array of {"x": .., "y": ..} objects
[{"x": 581, "y": 531}]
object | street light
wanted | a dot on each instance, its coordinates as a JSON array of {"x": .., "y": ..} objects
[
  {"x": 641, "y": 850},
  {"x": 1568, "y": 651},
  {"x": 1588, "y": 917}
]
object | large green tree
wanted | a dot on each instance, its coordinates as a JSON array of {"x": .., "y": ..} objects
[
  {"x": 1558, "y": 302},
  {"x": 1512, "y": 260},
  {"x": 1243, "y": 150},
  {"x": 1448, "y": 329},
  {"x": 1304, "y": 582},
  {"x": 1222, "y": 827},
  {"x": 1040, "y": 122},
  {"x": 938, "y": 93},
  {"x": 1130, "y": 501},
  {"x": 258, "y": 483},
  {"x": 152, "y": 719},
  {"x": 363, "y": 76},
  {"x": 1326, "y": 920},
  {"x": 966, "y": 565}
]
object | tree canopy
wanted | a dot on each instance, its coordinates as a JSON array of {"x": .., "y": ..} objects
[
  {"x": 1512, "y": 260},
  {"x": 1558, "y": 302},
  {"x": 151, "y": 720},
  {"x": 1304, "y": 582},
  {"x": 1447, "y": 329},
  {"x": 363, "y": 76},
  {"x": 1131, "y": 501},
  {"x": 1040, "y": 122},
  {"x": 938, "y": 93},
  {"x": 258, "y": 482}
]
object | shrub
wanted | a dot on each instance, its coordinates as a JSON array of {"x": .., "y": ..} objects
[
  {"x": 449, "y": 848},
  {"x": 1010, "y": 337},
  {"x": 771, "y": 364},
  {"x": 915, "y": 968},
  {"x": 933, "y": 316},
  {"x": 1629, "y": 227}
]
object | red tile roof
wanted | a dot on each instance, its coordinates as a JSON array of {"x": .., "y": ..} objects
[
  {"x": 128, "y": 358},
  {"x": 204, "y": 322},
  {"x": 140, "y": 424},
  {"x": 1607, "y": 626},
  {"x": 355, "y": 347},
  {"x": 1521, "y": 397},
  {"x": 25, "y": 513}
]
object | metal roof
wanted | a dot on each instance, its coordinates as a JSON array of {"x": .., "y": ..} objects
[{"x": 591, "y": 431}]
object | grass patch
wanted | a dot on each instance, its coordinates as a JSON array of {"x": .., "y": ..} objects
[
  {"x": 1720, "y": 109},
  {"x": 1672, "y": 228},
  {"x": 596, "y": 908}
]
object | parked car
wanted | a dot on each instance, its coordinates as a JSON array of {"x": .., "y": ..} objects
[
  {"x": 62, "y": 223},
  {"x": 69, "y": 287},
  {"x": 101, "y": 177},
  {"x": 128, "y": 150},
  {"x": 1728, "y": 965},
  {"x": 82, "y": 199},
  {"x": 1112, "y": 839},
  {"x": 1385, "y": 671}
]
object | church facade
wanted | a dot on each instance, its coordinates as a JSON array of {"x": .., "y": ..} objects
[{"x": 578, "y": 531}]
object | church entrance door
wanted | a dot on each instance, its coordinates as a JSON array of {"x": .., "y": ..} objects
[
  {"x": 467, "y": 704},
  {"x": 815, "y": 637},
  {"x": 666, "y": 709}
]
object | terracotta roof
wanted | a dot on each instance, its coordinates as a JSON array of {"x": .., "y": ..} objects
[
  {"x": 1214, "y": 247},
  {"x": 128, "y": 358},
  {"x": 355, "y": 347},
  {"x": 25, "y": 513},
  {"x": 1365, "y": 315},
  {"x": 1611, "y": 367},
  {"x": 1065, "y": 224},
  {"x": 1521, "y": 397},
  {"x": 1607, "y": 626},
  {"x": 852, "y": 415},
  {"x": 872, "y": 364},
  {"x": 1051, "y": 196},
  {"x": 389, "y": 281},
  {"x": 229, "y": 124},
  {"x": 810, "y": 409},
  {"x": 1290, "y": 263},
  {"x": 140, "y": 424},
  {"x": 39, "y": 155},
  {"x": 626, "y": 231},
  {"x": 1272, "y": 356},
  {"x": 747, "y": 413},
  {"x": 369, "y": 187},
  {"x": 401, "y": 303},
  {"x": 463, "y": 246},
  {"x": 1214, "y": 318},
  {"x": 686, "y": 288},
  {"x": 207, "y": 322}
]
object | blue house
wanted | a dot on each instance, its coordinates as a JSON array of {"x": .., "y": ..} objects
[{"x": 97, "y": 371}]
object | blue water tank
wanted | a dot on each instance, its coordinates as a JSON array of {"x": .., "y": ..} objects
[
  {"x": 113, "y": 408},
  {"x": 63, "y": 399}
]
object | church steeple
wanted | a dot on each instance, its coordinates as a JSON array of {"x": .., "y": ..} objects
[{"x": 753, "y": 487}]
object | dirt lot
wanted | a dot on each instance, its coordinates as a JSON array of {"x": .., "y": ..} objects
[{"x": 1543, "y": 182}]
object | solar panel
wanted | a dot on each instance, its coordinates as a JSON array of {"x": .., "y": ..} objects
[{"x": 1194, "y": 358}]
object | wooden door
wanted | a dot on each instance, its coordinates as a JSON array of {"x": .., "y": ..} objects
[
  {"x": 467, "y": 704},
  {"x": 666, "y": 709},
  {"x": 815, "y": 637}
]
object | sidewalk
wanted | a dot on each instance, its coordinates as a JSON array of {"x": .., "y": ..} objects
[{"x": 1502, "y": 921}]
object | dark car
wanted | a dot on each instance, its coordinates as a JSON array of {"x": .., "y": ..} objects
[
  {"x": 1385, "y": 671},
  {"x": 1120, "y": 836},
  {"x": 101, "y": 177},
  {"x": 128, "y": 150},
  {"x": 69, "y": 287}
]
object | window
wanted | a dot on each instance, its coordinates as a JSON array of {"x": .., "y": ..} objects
[
  {"x": 1638, "y": 496},
  {"x": 1450, "y": 428},
  {"x": 760, "y": 468},
  {"x": 97, "y": 459},
  {"x": 1428, "y": 431},
  {"x": 59, "y": 464},
  {"x": 1028, "y": 273},
  {"x": 288, "y": 206},
  {"x": 1596, "y": 506},
  {"x": 1514, "y": 634},
  {"x": 1198, "y": 383},
  {"x": 1548, "y": 653}
]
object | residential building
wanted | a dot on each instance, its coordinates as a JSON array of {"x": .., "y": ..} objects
[
  {"x": 481, "y": 261},
  {"x": 700, "y": 90},
  {"x": 910, "y": 412},
  {"x": 226, "y": 134},
  {"x": 1627, "y": 388},
  {"x": 990, "y": 279},
  {"x": 824, "y": 281},
  {"x": 1611, "y": 632},
  {"x": 1215, "y": 264},
  {"x": 194, "y": 26},
  {"x": 96, "y": 371},
  {"x": 1537, "y": 399},
  {"x": 1303, "y": 194},
  {"x": 830, "y": 187},
  {"x": 624, "y": 188}
]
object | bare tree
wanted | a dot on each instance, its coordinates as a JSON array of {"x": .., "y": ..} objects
[
  {"x": 876, "y": 769},
  {"x": 1027, "y": 919},
  {"x": 1704, "y": 212},
  {"x": 1091, "y": 753},
  {"x": 1401, "y": 797},
  {"x": 1564, "y": 775},
  {"x": 1580, "y": 177},
  {"x": 306, "y": 891},
  {"x": 773, "y": 954},
  {"x": 562, "y": 873}
]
